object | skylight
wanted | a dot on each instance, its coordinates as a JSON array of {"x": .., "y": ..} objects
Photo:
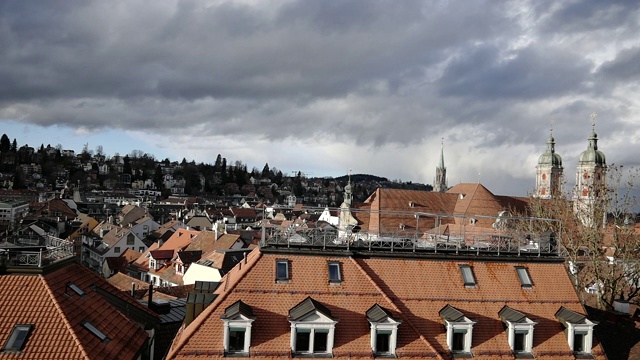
[
  {"x": 18, "y": 337},
  {"x": 76, "y": 289},
  {"x": 334, "y": 272},
  {"x": 525, "y": 279},
  {"x": 282, "y": 269},
  {"x": 96, "y": 332},
  {"x": 467, "y": 276}
]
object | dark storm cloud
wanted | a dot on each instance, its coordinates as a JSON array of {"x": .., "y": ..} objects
[
  {"x": 590, "y": 15},
  {"x": 368, "y": 72},
  {"x": 625, "y": 67},
  {"x": 487, "y": 73}
]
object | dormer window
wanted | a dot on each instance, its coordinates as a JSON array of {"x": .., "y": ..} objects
[
  {"x": 523, "y": 276},
  {"x": 282, "y": 271},
  {"x": 459, "y": 330},
  {"x": 335, "y": 275},
  {"x": 519, "y": 331},
  {"x": 237, "y": 319},
  {"x": 578, "y": 329},
  {"x": 467, "y": 276},
  {"x": 384, "y": 331},
  {"x": 312, "y": 329}
]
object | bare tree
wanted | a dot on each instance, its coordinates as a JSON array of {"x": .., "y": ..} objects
[{"x": 598, "y": 237}]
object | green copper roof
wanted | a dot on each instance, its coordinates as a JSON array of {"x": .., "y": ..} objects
[
  {"x": 550, "y": 158},
  {"x": 592, "y": 155}
]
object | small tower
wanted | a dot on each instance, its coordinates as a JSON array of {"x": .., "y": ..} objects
[
  {"x": 346, "y": 221},
  {"x": 549, "y": 171},
  {"x": 347, "y": 192},
  {"x": 590, "y": 178},
  {"x": 440, "y": 185}
]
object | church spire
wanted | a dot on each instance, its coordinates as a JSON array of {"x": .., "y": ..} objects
[
  {"x": 549, "y": 171},
  {"x": 441, "y": 172}
]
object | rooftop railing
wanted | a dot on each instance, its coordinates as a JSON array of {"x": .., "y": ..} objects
[
  {"x": 55, "y": 249},
  {"x": 426, "y": 233}
]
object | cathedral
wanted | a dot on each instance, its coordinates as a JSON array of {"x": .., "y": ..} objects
[{"x": 590, "y": 176}]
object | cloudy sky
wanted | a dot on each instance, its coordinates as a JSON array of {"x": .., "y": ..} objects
[{"x": 326, "y": 86}]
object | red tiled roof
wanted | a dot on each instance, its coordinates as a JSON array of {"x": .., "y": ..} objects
[
  {"x": 58, "y": 315},
  {"x": 179, "y": 240},
  {"x": 162, "y": 254},
  {"x": 415, "y": 290},
  {"x": 206, "y": 241}
]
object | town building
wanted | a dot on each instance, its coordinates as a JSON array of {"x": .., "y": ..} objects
[
  {"x": 52, "y": 307},
  {"x": 381, "y": 298}
]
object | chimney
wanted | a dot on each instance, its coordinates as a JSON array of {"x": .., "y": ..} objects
[
  {"x": 133, "y": 289},
  {"x": 150, "y": 295},
  {"x": 621, "y": 306}
]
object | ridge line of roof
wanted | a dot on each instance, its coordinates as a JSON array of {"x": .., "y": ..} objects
[
  {"x": 67, "y": 324},
  {"x": 200, "y": 319},
  {"x": 395, "y": 307}
]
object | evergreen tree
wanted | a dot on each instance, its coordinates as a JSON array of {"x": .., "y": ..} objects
[
  {"x": 126, "y": 167},
  {"x": 158, "y": 179},
  {"x": 218, "y": 165},
  {"x": 265, "y": 171},
  {"x": 5, "y": 144},
  {"x": 14, "y": 146}
]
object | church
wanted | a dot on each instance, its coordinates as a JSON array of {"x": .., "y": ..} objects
[{"x": 590, "y": 177}]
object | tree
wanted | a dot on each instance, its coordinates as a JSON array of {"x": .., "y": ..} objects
[
  {"x": 126, "y": 167},
  {"x": 265, "y": 171},
  {"x": 5, "y": 144},
  {"x": 14, "y": 146},
  {"x": 158, "y": 179},
  {"x": 598, "y": 240},
  {"x": 218, "y": 164}
]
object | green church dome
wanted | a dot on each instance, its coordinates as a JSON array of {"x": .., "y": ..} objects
[
  {"x": 550, "y": 157},
  {"x": 592, "y": 155}
]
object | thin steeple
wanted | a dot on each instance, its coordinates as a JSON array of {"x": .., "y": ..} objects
[
  {"x": 441, "y": 164},
  {"x": 440, "y": 184}
]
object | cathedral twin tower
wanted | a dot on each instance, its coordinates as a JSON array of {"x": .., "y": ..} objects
[{"x": 590, "y": 172}]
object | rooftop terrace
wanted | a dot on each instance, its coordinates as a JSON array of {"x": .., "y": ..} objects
[
  {"x": 16, "y": 258},
  {"x": 428, "y": 234}
]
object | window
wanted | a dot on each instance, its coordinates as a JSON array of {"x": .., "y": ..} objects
[
  {"x": 579, "y": 330},
  {"x": 459, "y": 330},
  {"x": 141, "y": 249},
  {"x": 116, "y": 249},
  {"x": 99, "y": 334},
  {"x": 312, "y": 328},
  {"x": 282, "y": 270},
  {"x": 334, "y": 273},
  {"x": 467, "y": 276},
  {"x": 75, "y": 289},
  {"x": 523, "y": 276},
  {"x": 457, "y": 342},
  {"x": 236, "y": 339},
  {"x": 18, "y": 337},
  {"x": 519, "y": 330},
  {"x": 237, "y": 319},
  {"x": 131, "y": 240},
  {"x": 384, "y": 331}
]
